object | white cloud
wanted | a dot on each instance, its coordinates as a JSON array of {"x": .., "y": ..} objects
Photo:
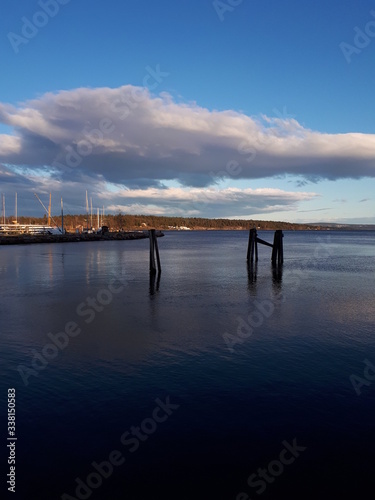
[
  {"x": 89, "y": 138},
  {"x": 212, "y": 195},
  {"x": 9, "y": 145},
  {"x": 127, "y": 135},
  {"x": 216, "y": 202}
]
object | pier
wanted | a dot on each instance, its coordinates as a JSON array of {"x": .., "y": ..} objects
[{"x": 25, "y": 239}]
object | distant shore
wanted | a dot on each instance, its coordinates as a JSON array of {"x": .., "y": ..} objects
[
  {"x": 133, "y": 223},
  {"x": 25, "y": 239}
]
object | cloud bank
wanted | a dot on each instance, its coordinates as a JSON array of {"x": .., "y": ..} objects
[
  {"x": 129, "y": 138},
  {"x": 228, "y": 202}
]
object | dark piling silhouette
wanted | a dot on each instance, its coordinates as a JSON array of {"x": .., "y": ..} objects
[{"x": 277, "y": 256}]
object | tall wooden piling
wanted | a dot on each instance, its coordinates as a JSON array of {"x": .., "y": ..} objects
[
  {"x": 277, "y": 250},
  {"x": 154, "y": 250},
  {"x": 252, "y": 247}
]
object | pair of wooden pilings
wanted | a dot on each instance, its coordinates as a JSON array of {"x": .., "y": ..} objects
[
  {"x": 277, "y": 247},
  {"x": 154, "y": 251}
]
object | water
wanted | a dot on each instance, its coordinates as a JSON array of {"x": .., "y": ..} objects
[{"x": 248, "y": 360}]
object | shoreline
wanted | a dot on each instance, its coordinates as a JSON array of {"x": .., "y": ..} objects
[{"x": 27, "y": 239}]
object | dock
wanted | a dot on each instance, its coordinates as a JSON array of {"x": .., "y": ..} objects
[{"x": 26, "y": 239}]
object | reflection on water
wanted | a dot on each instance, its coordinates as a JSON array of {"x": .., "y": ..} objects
[
  {"x": 277, "y": 276},
  {"x": 252, "y": 269},
  {"x": 154, "y": 282},
  {"x": 297, "y": 342}
]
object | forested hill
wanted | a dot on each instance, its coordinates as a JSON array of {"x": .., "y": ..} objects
[{"x": 136, "y": 222}]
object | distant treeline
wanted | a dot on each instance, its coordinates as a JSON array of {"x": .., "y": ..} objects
[{"x": 136, "y": 222}]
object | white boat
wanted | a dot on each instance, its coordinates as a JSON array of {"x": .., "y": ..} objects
[{"x": 29, "y": 229}]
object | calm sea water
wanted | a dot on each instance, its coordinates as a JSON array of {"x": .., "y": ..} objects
[{"x": 250, "y": 362}]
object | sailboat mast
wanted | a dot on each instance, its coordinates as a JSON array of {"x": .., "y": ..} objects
[
  {"x": 3, "y": 208},
  {"x": 62, "y": 216},
  {"x": 49, "y": 209},
  {"x": 87, "y": 212},
  {"x": 91, "y": 212}
]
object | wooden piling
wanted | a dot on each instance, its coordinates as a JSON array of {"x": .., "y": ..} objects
[
  {"x": 277, "y": 250},
  {"x": 154, "y": 250},
  {"x": 248, "y": 247},
  {"x": 157, "y": 253},
  {"x": 281, "y": 250},
  {"x": 252, "y": 247}
]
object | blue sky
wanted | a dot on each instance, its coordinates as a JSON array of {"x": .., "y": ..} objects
[{"x": 249, "y": 109}]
